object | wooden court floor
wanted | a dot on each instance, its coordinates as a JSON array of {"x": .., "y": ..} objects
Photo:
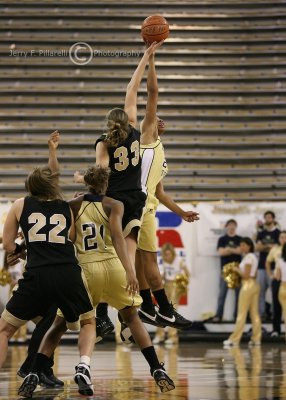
[{"x": 200, "y": 370}]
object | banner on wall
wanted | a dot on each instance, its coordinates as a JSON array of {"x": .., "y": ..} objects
[{"x": 213, "y": 217}]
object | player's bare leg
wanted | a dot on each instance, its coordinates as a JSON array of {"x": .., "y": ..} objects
[
  {"x": 6, "y": 332},
  {"x": 142, "y": 339}
]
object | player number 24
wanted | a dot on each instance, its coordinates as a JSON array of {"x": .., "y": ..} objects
[{"x": 92, "y": 235}]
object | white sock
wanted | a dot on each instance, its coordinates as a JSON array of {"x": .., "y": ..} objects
[{"x": 85, "y": 360}]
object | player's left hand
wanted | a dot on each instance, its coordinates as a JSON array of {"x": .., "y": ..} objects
[
  {"x": 190, "y": 216},
  {"x": 13, "y": 259},
  {"x": 54, "y": 140}
]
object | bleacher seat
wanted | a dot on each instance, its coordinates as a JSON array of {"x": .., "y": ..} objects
[{"x": 222, "y": 91}]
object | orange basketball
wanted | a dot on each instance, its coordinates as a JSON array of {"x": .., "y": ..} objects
[{"x": 154, "y": 29}]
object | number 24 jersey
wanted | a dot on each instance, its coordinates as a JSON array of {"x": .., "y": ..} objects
[{"x": 93, "y": 240}]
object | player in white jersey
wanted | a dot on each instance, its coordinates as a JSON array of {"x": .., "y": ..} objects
[{"x": 154, "y": 168}]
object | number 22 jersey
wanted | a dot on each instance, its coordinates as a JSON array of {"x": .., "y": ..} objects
[{"x": 45, "y": 225}]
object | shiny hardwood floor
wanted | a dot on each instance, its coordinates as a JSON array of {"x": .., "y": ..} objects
[{"x": 200, "y": 370}]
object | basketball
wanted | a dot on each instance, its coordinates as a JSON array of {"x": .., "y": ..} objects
[{"x": 154, "y": 29}]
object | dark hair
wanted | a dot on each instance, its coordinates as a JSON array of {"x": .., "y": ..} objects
[
  {"x": 43, "y": 184},
  {"x": 230, "y": 221},
  {"x": 269, "y": 212},
  {"x": 118, "y": 126},
  {"x": 283, "y": 254},
  {"x": 249, "y": 243},
  {"x": 96, "y": 178}
]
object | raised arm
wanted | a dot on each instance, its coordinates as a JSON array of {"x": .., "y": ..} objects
[
  {"x": 53, "y": 145},
  {"x": 130, "y": 105},
  {"x": 149, "y": 129},
  {"x": 166, "y": 200}
]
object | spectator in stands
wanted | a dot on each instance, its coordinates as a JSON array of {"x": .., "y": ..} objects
[
  {"x": 229, "y": 250},
  {"x": 271, "y": 263},
  {"x": 266, "y": 239}
]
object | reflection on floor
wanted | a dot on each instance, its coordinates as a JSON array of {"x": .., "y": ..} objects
[{"x": 200, "y": 370}]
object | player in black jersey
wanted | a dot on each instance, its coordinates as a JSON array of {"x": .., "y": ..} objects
[
  {"x": 51, "y": 270},
  {"x": 119, "y": 149},
  {"x": 103, "y": 257}
]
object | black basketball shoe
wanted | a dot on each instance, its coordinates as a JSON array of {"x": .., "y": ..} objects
[
  {"x": 29, "y": 385},
  {"x": 164, "y": 382},
  {"x": 103, "y": 327},
  {"x": 83, "y": 380},
  {"x": 150, "y": 319},
  {"x": 174, "y": 319},
  {"x": 50, "y": 381}
]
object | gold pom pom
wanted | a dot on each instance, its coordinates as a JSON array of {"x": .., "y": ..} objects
[
  {"x": 232, "y": 278},
  {"x": 5, "y": 277}
]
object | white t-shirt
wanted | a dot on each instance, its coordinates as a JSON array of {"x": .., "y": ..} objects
[
  {"x": 282, "y": 265},
  {"x": 249, "y": 259},
  {"x": 171, "y": 270}
]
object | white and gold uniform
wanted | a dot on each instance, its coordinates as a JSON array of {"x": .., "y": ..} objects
[
  {"x": 153, "y": 169},
  {"x": 105, "y": 275},
  {"x": 248, "y": 302}
]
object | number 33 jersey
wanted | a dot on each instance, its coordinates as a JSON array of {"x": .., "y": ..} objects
[
  {"x": 93, "y": 239},
  {"x": 125, "y": 163},
  {"x": 45, "y": 225}
]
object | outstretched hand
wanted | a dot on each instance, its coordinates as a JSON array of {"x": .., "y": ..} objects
[
  {"x": 54, "y": 140},
  {"x": 190, "y": 216},
  {"x": 153, "y": 47}
]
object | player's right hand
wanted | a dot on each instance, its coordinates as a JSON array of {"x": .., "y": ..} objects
[
  {"x": 78, "y": 177},
  {"x": 132, "y": 283},
  {"x": 153, "y": 47}
]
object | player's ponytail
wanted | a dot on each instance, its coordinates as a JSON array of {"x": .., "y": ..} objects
[
  {"x": 43, "y": 184},
  {"x": 96, "y": 179},
  {"x": 117, "y": 127}
]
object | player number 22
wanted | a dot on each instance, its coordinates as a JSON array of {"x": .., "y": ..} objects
[
  {"x": 39, "y": 221},
  {"x": 122, "y": 154}
]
